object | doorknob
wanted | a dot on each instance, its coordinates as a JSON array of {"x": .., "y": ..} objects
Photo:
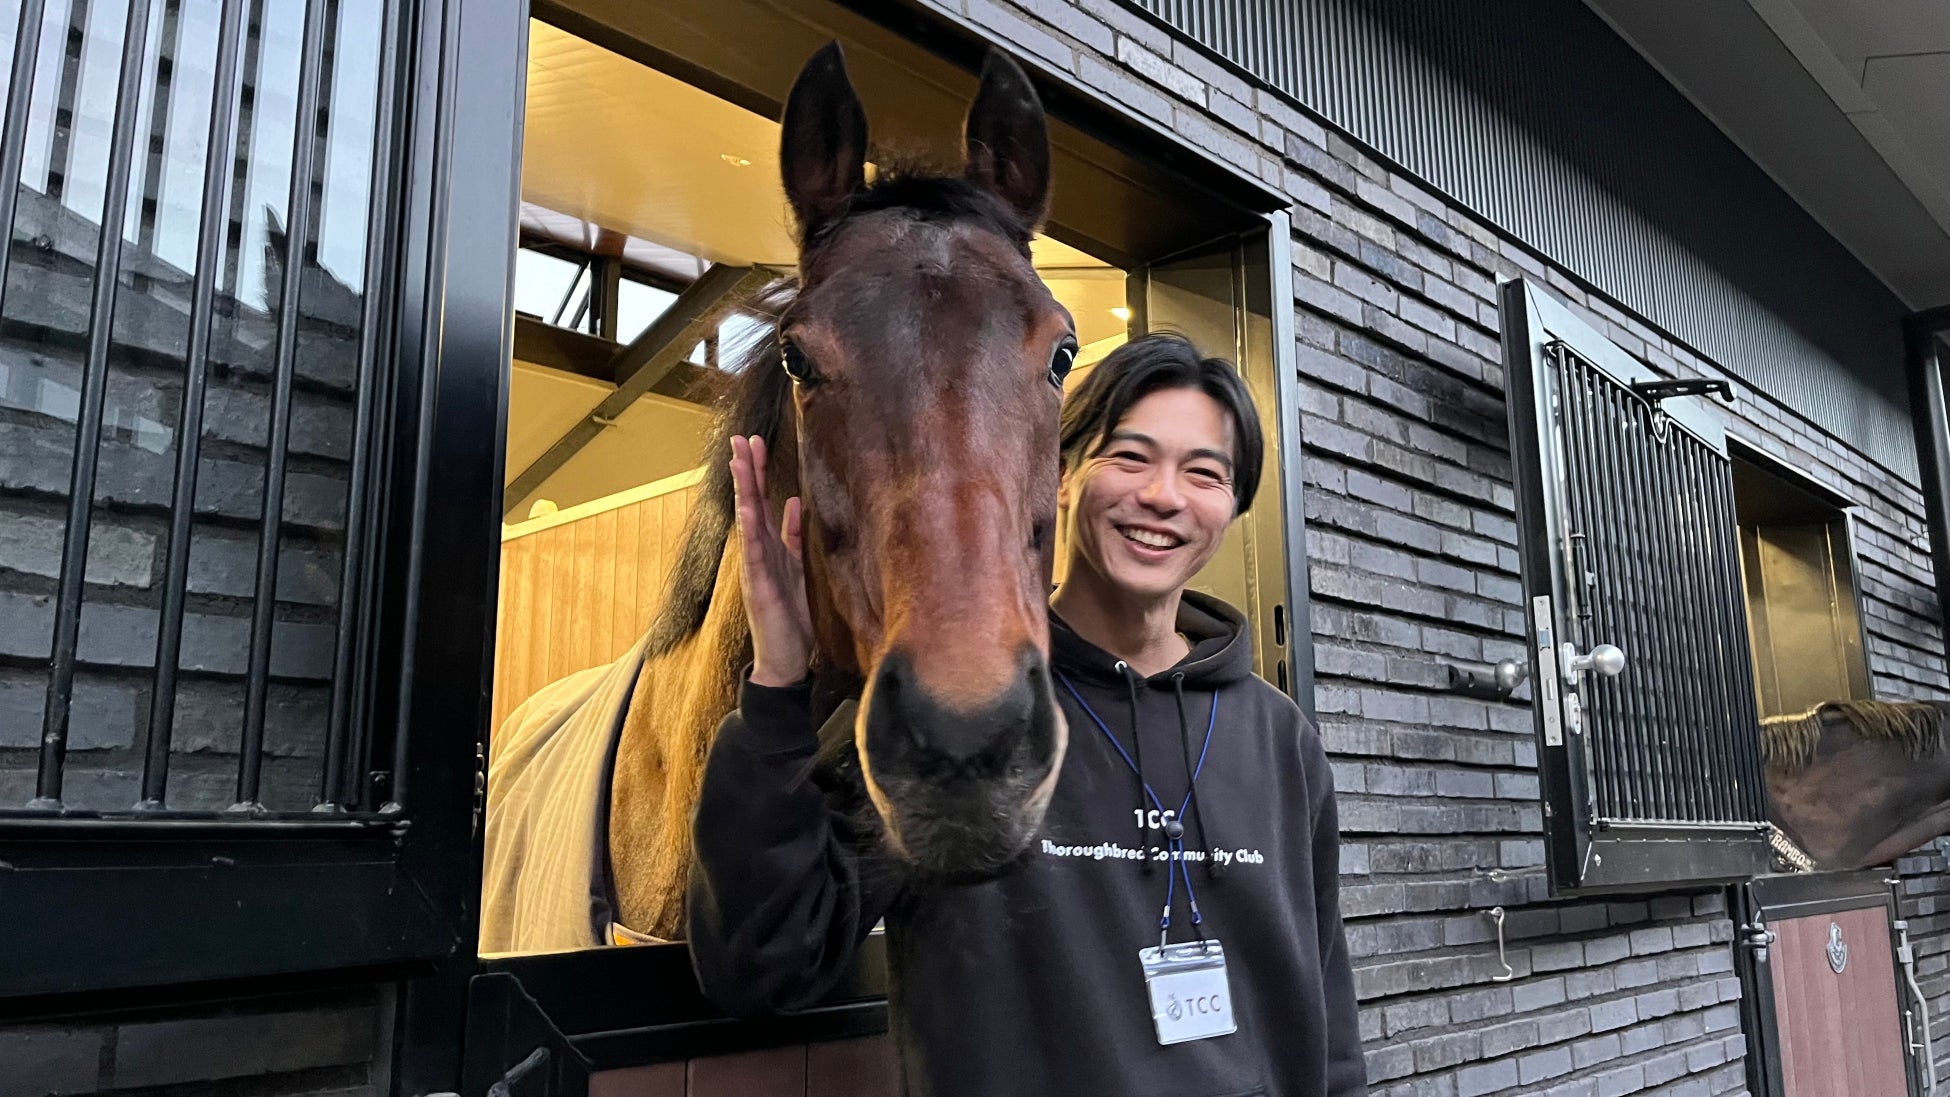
[{"x": 1606, "y": 659}]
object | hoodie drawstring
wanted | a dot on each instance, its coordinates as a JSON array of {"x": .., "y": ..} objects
[
  {"x": 1137, "y": 748},
  {"x": 1175, "y": 842},
  {"x": 1213, "y": 869}
]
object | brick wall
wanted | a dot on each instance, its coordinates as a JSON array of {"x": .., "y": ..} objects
[
  {"x": 332, "y": 1045},
  {"x": 1411, "y": 543},
  {"x": 42, "y": 356}
]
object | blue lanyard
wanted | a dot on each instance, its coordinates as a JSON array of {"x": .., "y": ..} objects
[{"x": 1174, "y": 845}]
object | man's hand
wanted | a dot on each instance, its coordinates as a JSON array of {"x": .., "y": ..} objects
[{"x": 774, "y": 579}]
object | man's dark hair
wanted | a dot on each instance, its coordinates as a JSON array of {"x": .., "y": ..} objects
[{"x": 1160, "y": 362}]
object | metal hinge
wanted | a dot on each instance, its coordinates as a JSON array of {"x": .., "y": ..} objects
[
  {"x": 1755, "y": 936},
  {"x": 480, "y": 785}
]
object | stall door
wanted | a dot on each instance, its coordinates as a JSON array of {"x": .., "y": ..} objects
[{"x": 1827, "y": 1014}]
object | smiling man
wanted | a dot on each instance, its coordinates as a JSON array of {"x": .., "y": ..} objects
[{"x": 1175, "y": 929}]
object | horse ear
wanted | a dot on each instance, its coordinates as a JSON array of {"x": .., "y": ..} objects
[
  {"x": 1007, "y": 139},
  {"x": 823, "y": 143}
]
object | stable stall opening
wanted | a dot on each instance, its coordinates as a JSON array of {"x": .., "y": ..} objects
[
  {"x": 1798, "y": 571},
  {"x": 653, "y": 221},
  {"x": 652, "y": 218}
]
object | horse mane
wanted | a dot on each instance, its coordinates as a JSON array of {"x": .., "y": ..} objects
[
  {"x": 755, "y": 395},
  {"x": 1789, "y": 742}
]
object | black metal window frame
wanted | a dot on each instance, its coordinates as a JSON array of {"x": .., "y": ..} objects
[
  {"x": 1927, "y": 335},
  {"x": 1623, "y": 809},
  {"x": 118, "y": 908}
]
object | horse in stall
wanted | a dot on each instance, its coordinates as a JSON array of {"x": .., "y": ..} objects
[
  {"x": 1859, "y": 783},
  {"x": 909, "y": 395}
]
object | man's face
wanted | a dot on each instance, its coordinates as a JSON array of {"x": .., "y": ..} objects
[{"x": 1151, "y": 505}]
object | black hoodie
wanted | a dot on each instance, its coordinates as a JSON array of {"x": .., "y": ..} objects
[{"x": 1030, "y": 983}]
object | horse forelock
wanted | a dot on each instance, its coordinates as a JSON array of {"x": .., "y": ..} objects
[
  {"x": 916, "y": 190},
  {"x": 1789, "y": 743}
]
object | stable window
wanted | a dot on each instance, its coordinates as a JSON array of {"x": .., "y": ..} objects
[
  {"x": 1798, "y": 568},
  {"x": 212, "y": 546},
  {"x": 1630, "y": 516}
]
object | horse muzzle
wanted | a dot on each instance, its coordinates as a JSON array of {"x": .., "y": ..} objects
[{"x": 961, "y": 790}]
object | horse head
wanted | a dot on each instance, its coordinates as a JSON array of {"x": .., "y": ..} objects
[{"x": 926, "y": 361}]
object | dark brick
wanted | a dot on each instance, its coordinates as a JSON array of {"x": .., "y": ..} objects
[
  {"x": 45, "y": 1059},
  {"x": 203, "y": 1049}
]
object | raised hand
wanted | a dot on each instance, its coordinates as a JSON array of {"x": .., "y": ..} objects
[{"x": 774, "y": 579}]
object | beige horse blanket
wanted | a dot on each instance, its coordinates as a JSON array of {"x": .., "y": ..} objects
[{"x": 545, "y": 883}]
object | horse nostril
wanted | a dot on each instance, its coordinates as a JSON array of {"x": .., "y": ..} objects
[{"x": 905, "y": 719}]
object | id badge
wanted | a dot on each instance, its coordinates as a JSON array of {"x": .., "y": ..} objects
[{"x": 1190, "y": 997}]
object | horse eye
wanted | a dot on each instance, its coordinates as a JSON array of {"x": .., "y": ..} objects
[
  {"x": 1061, "y": 360},
  {"x": 795, "y": 362}
]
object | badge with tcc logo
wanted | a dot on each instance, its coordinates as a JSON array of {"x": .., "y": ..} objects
[
  {"x": 1837, "y": 948},
  {"x": 1191, "y": 998}
]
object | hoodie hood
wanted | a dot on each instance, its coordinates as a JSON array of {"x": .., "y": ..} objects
[{"x": 1222, "y": 649}]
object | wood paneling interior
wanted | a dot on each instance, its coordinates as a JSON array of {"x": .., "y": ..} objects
[
  {"x": 1838, "y": 1035},
  {"x": 578, "y": 587}
]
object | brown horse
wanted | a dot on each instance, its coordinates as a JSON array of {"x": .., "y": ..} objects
[
  {"x": 909, "y": 394},
  {"x": 1859, "y": 783}
]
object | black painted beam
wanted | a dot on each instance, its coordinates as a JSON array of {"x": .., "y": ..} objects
[{"x": 639, "y": 366}]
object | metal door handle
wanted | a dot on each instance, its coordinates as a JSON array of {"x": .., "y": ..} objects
[{"x": 1606, "y": 659}]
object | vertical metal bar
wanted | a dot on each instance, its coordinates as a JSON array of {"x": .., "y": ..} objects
[
  {"x": 1711, "y": 631},
  {"x": 1620, "y": 708},
  {"x": 218, "y": 170},
  {"x": 1733, "y": 670},
  {"x": 1667, "y": 610},
  {"x": 1639, "y": 460},
  {"x": 1683, "y": 627},
  {"x": 1574, "y": 405},
  {"x": 13, "y": 136},
  {"x": 346, "y": 660},
  {"x": 1703, "y": 640},
  {"x": 1618, "y": 573},
  {"x": 271, "y": 524},
  {"x": 1642, "y": 712},
  {"x": 415, "y": 514},
  {"x": 88, "y": 428}
]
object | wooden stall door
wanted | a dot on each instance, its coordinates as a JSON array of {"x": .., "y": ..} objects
[
  {"x": 862, "y": 1067},
  {"x": 1840, "y": 1034}
]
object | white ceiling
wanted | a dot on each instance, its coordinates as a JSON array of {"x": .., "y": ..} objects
[{"x": 1846, "y": 103}]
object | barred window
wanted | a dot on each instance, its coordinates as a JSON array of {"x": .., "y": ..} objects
[{"x": 183, "y": 403}]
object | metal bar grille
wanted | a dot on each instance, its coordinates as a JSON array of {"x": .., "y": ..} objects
[
  {"x": 1651, "y": 549},
  {"x": 216, "y": 346},
  {"x": 271, "y": 523},
  {"x": 88, "y": 432},
  {"x": 13, "y": 135},
  {"x": 189, "y": 432}
]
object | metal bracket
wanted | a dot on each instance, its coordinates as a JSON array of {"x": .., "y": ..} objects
[
  {"x": 1502, "y": 956},
  {"x": 1655, "y": 392}
]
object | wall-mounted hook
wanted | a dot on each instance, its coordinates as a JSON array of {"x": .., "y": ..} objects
[
  {"x": 1488, "y": 683},
  {"x": 1502, "y": 957}
]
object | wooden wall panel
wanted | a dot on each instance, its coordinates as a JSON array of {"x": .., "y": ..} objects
[
  {"x": 1840, "y": 1035},
  {"x": 578, "y": 588}
]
